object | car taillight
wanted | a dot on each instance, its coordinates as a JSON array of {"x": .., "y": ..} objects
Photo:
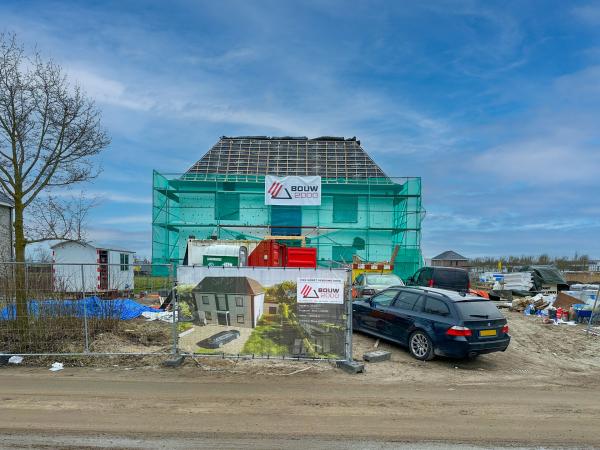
[
  {"x": 505, "y": 329},
  {"x": 459, "y": 331},
  {"x": 430, "y": 284}
]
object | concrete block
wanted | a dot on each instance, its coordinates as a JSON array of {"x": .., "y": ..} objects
[
  {"x": 352, "y": 367},
  {"x": 376, "y": 356},
  {"x": 174, "y": 362}
]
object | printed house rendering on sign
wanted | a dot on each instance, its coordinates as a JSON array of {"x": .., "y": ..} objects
[
  {"x": 230, "y": 301},
  {"x": 325, "y": 193}
]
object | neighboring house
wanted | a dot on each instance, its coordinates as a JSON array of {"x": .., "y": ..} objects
[
  {"x": 230, "y": 301},
  {"x": 6, "y": 229},
  {"x": 449, "y": 259},
  {"x": 80, "y": 267}
]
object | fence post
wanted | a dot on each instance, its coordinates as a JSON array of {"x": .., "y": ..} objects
[
  {"x": 348, "y": 299},
  {"x": 175, "y": 309},
  {"x": 593, "y": 310},
  {"x": 85, "y": 322}
]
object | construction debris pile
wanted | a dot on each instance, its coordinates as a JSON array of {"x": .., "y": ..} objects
[{"x": 567, "y": 307}]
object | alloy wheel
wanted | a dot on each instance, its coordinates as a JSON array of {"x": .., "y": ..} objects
[{"x": 419, "y": 345}]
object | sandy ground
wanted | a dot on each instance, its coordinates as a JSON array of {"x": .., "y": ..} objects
[
  {"x": 542, "y": 392},
  {"x": 537, "y": 353},
  {"x": 188, "y": 342}
]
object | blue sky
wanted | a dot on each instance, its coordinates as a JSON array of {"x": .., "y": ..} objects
[{"x": 494, "y": 104}]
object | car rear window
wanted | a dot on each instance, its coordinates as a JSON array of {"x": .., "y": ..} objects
[
  {"x": 451, "y": 277},
  {"x": 483, "y": 309}
]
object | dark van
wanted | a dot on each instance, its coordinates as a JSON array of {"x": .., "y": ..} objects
[{"x": 450, "y": 278}]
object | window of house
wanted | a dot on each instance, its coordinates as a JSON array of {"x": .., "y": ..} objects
[
  {"x": 239, "y": 301},
  {"x": 124, "y": 259},
  {"x": 240, "y": 318},
  {"x": 272, "y": 309},
  {"x": 227, "y": 206},
  {"x": 208, "y": 315},
  {"x": 205, "y": 300},
  {"x": 345, "y": 208}
]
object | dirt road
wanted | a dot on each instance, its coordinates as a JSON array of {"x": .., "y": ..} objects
[
  {"x": 120, "y": 407},
  {"x": 542, "y": 392}
]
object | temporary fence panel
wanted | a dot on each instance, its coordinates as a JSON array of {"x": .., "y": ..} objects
[
  {"x": 51, "y": 308},
  {"x": 267, "y": 312}
]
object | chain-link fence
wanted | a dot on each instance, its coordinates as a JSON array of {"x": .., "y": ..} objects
[
  {"x": 110, "y": 309},
  {"x": 51, "y": 308}
]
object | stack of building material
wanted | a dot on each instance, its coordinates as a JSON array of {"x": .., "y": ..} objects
[{"x": 518, "y": 281}]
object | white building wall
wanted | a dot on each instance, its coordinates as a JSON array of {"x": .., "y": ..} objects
[
  {"x": 266, "y": 276},
  {"x": 75, "y": 268},
  {"x": 119, "y": 279},
  {"x": 6, "y": 234}
]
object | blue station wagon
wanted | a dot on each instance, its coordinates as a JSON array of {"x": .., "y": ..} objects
[{"x": 433, "y": 322}]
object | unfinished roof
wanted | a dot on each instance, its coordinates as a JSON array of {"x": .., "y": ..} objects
[
  {"x": 229, "y": 285},
  {"x": 449, "y": 256},
  {"x": 329, "y": 157}
]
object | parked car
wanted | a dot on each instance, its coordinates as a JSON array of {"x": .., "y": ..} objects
[
  {"x": 367, "y": 284},
  {"x": 451, "y": 278},
  {"x": 219, "y": 339},
  {"x": 433, "y": 322}
]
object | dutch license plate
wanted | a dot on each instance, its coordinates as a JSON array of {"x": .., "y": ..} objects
[{"x": 487, "y": 333}]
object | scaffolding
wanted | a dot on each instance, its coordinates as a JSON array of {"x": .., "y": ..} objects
[{"x": 363, "y": 215}]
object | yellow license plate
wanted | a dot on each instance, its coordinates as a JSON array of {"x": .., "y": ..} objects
[{"x": 487, "y": 333}]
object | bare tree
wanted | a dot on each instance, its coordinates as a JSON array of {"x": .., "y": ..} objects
[{"x": 49, "y": 132}]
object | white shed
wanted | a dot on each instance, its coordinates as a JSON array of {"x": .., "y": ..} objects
[
  {"x": 80, "y": 267},
  {"x": 6, "y": 230}
]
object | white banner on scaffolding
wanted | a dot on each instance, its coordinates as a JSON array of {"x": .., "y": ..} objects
[{"x": 292, "y": 190}]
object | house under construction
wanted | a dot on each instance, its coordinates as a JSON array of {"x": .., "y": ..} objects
[{"x": 363, "y": 214}]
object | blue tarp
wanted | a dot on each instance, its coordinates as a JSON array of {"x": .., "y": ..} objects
[{"x": 121, "y": 308}]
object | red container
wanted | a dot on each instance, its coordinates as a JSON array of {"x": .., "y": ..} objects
[
  {"x": 301, "y": 257},
  {"x": 267, "y": 254}
]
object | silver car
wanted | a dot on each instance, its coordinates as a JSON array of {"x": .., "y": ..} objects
[{"x": 367, "y": 284}]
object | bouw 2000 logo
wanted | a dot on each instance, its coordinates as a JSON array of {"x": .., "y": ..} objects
[
  {"x": 278, "y": 188},
  {"x": 320, "y": 290},
  {"x": 292, "y": 190},
  {"x": 309, "y": 292}
]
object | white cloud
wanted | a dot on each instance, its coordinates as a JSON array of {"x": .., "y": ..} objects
[{"x": 127, "y": 220}]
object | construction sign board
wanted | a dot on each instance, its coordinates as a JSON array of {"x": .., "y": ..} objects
[
  {"x": 292, "y": 190},
  {"x": 320, "y": 290}
]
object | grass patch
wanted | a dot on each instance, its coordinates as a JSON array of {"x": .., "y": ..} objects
[
  {"x": 184, "y": 326},
  {"x": 207, "y": 351},
  {"x": 261, "y": 342},
  {"x": 150, "y": 283}
]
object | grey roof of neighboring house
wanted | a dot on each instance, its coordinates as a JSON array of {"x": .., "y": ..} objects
[
  {"x": 229, "y": 285},
  {"x": 328, "y": 157},
  {"x": 450, "y": 256},
  {"x": 5, "y": 200}
]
